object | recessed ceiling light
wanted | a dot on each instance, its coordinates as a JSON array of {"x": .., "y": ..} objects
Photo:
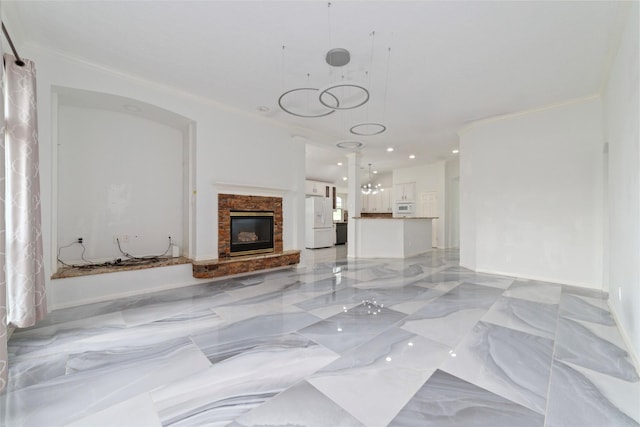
[
  {"x": 456, "y": 151},
  {"x": 390, "y": 149},
  {"x": 412, "y": 156},
  {"x": 344, "y": 178},
  {"x": 375, "y": 171},
  {"x": 339, "y": 163}
]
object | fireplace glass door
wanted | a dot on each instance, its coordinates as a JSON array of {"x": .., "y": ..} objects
[{"x": 251, "y": 232}]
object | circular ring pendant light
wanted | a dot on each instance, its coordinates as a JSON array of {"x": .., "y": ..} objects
[
  {"x": 333, "y": 100},
  {"x": 348, "y": 103},
  {"x": 368, "y": 129},
  {"x": 350, "y": 144}
]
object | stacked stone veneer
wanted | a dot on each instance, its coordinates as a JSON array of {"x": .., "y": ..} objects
[
  {"x": 226, "y": 265},
  {"x": 235, "y": 202}
]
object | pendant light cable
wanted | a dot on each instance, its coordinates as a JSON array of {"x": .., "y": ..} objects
[{"x": 386, "y": 87}]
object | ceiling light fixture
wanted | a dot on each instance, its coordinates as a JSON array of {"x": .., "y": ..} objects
[
  {"x": 350, "y": 145},
  {"x": 353, "y": 95},
  {"x": 372, "y": 128},
  {"x": 370, "y": 187},
  {"x": 339, "y": 163},
  {"x": 412, "y": 156},
  {"x": 455, "y": 151},
  {"x": 390, "y": 149},
  {"x": 336, "y": 95},
  {"x": 338, "y": 57}
]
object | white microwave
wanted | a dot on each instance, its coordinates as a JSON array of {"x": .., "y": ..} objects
[{"x": 404, "y": 209}]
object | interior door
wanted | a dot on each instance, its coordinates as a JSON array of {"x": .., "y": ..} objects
[{"x": 429, "y": 205}]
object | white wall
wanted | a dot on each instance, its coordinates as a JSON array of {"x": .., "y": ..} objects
[
  {"x": 429, "y": 177},
  {"x": 452, "y": 206},
  {"x": 117, "y": 175},
  {"x": 230, "y": 148},
  {"x": 531, "y": 195},
  {"x": 622, "y": 134}
]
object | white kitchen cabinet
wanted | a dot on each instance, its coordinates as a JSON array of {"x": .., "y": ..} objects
[
  {"x": 316, "y": 188},
  {"x": 405, "y": 192},
  {"x": 387, "y": 201},
  {"x": 364, "y": 203},
  {"x": 377, "y": 203}
]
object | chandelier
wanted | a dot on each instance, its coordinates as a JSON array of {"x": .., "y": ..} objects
[
  {"x": 370, "y": 187},
  {"x": 339, "y": 94}
]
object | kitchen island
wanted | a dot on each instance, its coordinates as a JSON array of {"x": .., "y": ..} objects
[{"x": 392, "y": 237}]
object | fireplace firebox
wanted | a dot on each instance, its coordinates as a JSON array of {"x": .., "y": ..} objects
[{"x": 251, "y": 232}]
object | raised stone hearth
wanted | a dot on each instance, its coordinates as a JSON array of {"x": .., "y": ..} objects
[
  {"x": 226, "y": 265},
  {"x": 245, "y": 264}
]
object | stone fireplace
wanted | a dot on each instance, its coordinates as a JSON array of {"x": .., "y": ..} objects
[
  {"x": 247, "y": 209},
  {"x": 242, "y": 247}
]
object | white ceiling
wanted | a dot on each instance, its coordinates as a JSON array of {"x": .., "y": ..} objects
[{"x": 451, "y": 62}]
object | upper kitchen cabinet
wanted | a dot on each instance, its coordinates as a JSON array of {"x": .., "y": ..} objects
[
  {"x": 405, "y": 192},
  {"x": 380, "y": 202},
  {"x": 317, "y": 188}
]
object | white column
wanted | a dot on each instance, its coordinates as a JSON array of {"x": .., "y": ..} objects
[{"x": 353, "y": 201}]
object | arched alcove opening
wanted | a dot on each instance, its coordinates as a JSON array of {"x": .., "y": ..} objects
[{"x": 123, "y": 178}]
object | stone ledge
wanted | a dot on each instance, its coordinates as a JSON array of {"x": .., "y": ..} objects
[
  {"x": 209, "y": 269},
  {"x": 66, "y": 272}
]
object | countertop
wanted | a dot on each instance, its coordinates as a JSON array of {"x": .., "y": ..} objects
[{"x": 387, "y": 219}]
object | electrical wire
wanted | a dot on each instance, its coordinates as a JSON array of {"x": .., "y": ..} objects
[{"x": 129, "y": 261}]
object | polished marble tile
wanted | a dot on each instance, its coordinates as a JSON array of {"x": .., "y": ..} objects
[
  {"x": 446, "y": 400},
  {"x": 32, "y": 371},
  {"x": 138, "y": 411},
  {"x": 585, "y": 308},
  {"x": 449, "y": 318},
  {"x": 459, "y": 274},
  {"x": 299, "y": 346},
  {"x": 575, "y": 400},
  {"x": 523, "y": 315},
  {"x": 255, "y": 327},
  {"x": 385, "y": 296},
  {"x": 433, "y": 291},
  {"x": 71, "y": 397},
  {"x": 300, "y": 405},
  {"x": 356, "y": 326},
  {"x": 533, "y": 290},
  {"x": 375, "y": 380},
  {"x": 509, "y": 363},
  {"x": 235, "y": 385},
  {"x": 576, "y": 343}
]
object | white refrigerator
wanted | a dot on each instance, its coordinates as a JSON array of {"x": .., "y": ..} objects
[{"x": 319, "y": 231}]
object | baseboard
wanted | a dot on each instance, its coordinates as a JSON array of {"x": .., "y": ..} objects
[
  {"x": 625, "y": 337},
  {"x": 539, "y": 278}
]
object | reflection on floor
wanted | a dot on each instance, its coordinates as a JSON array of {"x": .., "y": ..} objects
[{"x": 380, "y": 342}]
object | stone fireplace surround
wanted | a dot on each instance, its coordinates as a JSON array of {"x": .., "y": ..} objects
[
  {"x": 225, "y": 265},
  {"x": 234, "y": 202}
]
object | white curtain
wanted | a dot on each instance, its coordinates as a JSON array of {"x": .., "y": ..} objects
[
  {"x": 4, "y": 368},
  {"x": 24, "y": 267}
]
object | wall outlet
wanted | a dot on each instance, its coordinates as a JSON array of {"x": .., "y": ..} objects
[{"x": 123, "y": 238}]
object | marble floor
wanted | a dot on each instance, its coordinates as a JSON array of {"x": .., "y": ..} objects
[{"x": 412, "y": 342}]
